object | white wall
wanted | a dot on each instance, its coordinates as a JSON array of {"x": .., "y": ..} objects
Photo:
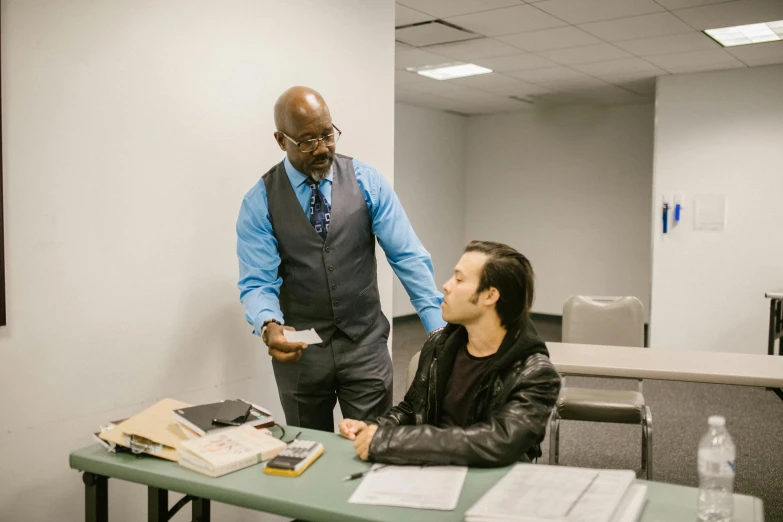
[
  {"x": 429, "y": 156},
  {"x": 132, "y": 130},
  {"x": 571, "y": 189},
  {"x": 718, "y": 133}
]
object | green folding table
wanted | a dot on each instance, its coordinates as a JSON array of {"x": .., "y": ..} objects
[{"x": 320, "y": 494}]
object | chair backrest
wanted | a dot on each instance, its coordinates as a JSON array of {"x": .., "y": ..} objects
[
  {"x": 617, "y": 321},
  {"x": 412, "y": 367}
]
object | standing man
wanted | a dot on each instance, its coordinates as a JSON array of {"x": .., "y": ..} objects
[{"x": 306, "y": 247}]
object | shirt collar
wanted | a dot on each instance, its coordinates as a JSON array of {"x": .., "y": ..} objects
[{"x": 297, "y": 178}]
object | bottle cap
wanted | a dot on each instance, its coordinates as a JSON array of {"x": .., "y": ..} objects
[{"x": 716, "y": 421}]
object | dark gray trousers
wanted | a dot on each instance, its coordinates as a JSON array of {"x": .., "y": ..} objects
[{"x": 356, "y": 373}]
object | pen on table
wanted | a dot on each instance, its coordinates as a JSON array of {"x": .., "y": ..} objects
[{"x": 363, "y": 473}]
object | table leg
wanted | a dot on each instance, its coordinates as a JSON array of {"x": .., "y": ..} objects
[
  {"x": 772, "y": 320},
  {"x": 157, "y": 505},
  {"x": 778, "y": 328},
  {"x": 201, "y": 510},
  {"x": 96, "y": 497}
]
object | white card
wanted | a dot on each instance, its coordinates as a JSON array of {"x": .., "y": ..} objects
[{"x": 304, "y": 336}]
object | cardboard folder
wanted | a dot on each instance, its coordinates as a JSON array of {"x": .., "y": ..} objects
[{"x": 155, "y": 425}]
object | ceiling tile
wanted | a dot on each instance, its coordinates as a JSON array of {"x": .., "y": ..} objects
[
  {"x": 399, "y": 46},
  {"x": 405, "y": 15},
  {"x": 682, "y": 4},
  {"x": 507, "y": 21},
  {"x": 619, "y": 68},
  {"x": 675, "y": 43},
  {"x": 515, "y": 63},
  {"x": 696, "y": 61},
  {"x": 433, "y": 86},
  {"x": 583, "y": 11},
  {"x": 558, "y": 98},
  {"x": 644, "y": 26},
  {"x": 548, "y": 39},
  {"x": 586, "y": 54},
  {"x": 518, "y": 88},
  {"x": 644, "y": 87},
  {"x": 759, "y": 54},
  {"x": 631, "y": 77},
  {"x": 505, "y": 104},
  {"x": 559, "y": 78},
  {"x": 417, "y": 98},
  {"x": 474, "y": 96},
  {"x": 451, "y": 105},
  {"x": 417, "y": 58},
  {"x": 481, "y": 48},
  {"x": 430, "y": 34},
  {"x": 611, "y": 95},
  {"x": 446, "y": 8},
  {"x": 732, "y": 13},
  {"x": 406, "y": 78},
  {"x": 482, "y": 81}
]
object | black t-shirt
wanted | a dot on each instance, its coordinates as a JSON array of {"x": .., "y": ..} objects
[{"x": 461, "y": 387}]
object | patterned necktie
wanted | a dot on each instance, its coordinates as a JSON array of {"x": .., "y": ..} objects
[{"x": 320, "y": 211}]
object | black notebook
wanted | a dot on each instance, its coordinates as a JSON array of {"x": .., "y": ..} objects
[{"x": 201, "y": 419}]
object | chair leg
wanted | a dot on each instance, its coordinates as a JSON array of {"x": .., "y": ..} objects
[
  {"x": 554, "y": 438},
  {"x": 647, "y": 443}
]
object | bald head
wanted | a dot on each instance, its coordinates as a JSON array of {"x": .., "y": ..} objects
[
  {"x": 298, "y": 106},
  {"x": 301, "y": 115}
]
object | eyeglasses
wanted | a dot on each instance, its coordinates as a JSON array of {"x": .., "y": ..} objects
[{"x": 310, "y": 145}]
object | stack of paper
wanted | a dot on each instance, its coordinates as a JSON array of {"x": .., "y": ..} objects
[
  {"x": 535, "y": 493},
  {"x": 431, "y": 487}
]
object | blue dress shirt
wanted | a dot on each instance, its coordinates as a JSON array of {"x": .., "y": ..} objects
[{"x": 259, "y": 282}]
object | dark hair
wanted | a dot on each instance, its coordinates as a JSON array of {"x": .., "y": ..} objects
[{"x": 512, "y": 275}]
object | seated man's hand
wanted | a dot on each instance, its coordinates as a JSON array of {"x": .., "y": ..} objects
[
  {"x": 281, "y": 349},
  {"x": 349, "y": 428},
  {"x": 363, "y": 440}
]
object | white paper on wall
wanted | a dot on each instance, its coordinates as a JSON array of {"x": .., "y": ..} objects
[{"x": 709, "y": 212}]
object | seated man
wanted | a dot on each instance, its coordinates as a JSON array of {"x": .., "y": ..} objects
[{"x": 484, "y": 387}]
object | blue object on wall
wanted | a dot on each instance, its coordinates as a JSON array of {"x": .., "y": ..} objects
[{"x": 665, "y": 218}]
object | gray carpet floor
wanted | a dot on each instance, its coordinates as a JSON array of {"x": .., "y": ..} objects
[{"x": 754, "y": 418}]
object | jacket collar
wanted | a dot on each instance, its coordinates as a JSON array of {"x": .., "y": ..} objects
[{"x": 518, "y": 344}]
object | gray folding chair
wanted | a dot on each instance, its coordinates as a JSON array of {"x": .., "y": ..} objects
[{"x": 617, "y": 321}]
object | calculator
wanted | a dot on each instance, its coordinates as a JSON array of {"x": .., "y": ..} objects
[{"x": 294, "y": 459}]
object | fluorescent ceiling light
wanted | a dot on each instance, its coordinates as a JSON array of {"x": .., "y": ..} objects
[
  {"x": 449, "y": 71},
  {"x": 747, "y": 34}
]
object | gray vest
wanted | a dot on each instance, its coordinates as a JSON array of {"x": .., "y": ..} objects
[{"x": 326, "y": 284}]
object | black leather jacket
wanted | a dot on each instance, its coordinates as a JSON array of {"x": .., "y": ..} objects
[{"x": 507, "y": 417}]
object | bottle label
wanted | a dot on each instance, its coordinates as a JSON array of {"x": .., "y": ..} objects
[{"x": 716, "y": 467}]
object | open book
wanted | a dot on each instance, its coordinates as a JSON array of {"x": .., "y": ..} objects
[{"x": 228, "y": 450}]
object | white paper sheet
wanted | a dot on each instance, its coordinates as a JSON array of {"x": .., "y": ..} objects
[
  {"x": 429, "y": 487},
  {"x": 709, "y": 212},
  {"x": 539, "y": 493},
  {"x": 303, "y": 336}
]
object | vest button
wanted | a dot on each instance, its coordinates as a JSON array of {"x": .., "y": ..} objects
[
  {"x": 338, "y": 321},
  {"x": 337, "y": 303},
  {"x": 334, "y": 287},
  {"x": 331, "y": 269},
  {"x": 328, "y": 249}
]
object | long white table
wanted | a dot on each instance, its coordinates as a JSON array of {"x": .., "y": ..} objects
[{"x": 669, "y": 365}]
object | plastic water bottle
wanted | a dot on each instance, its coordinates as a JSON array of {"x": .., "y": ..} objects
[{"x": 716, "y": 473}]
